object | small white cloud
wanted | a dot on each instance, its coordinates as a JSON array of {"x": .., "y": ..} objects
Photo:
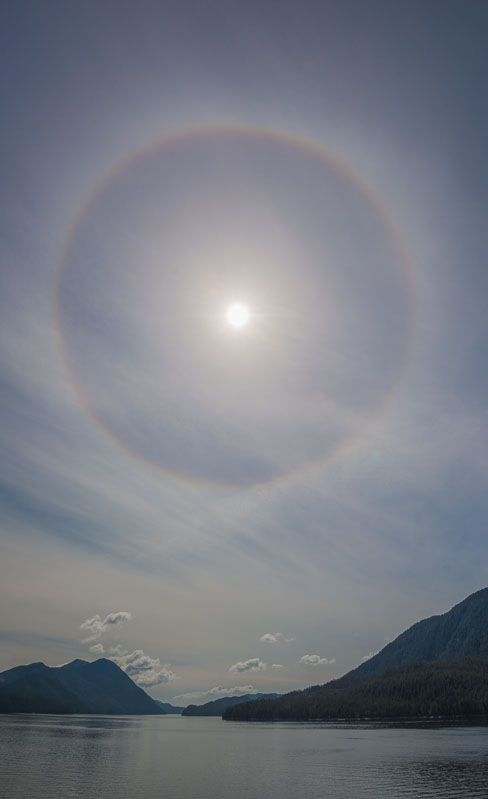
[
  {"x": 253, "y": 664},
  {"x": 96, "y": 627},
  {"x": 316, "y": 660},
  {"x": 277, "y": 666},
  {"x": 143, "y": 669},
  {"x": 97, "y": 649},
  {"x": 218, "y": 691},
  {"x": 275, "y": 638},
  {"x": 368, "y": 656}
]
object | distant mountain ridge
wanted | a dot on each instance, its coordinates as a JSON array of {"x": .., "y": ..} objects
[
  {"x": 439, "y": 666},
  {"x": 169, "y": 708},
  {"x": 218, "y": 706},
  {"x": 77, "y": 687}
]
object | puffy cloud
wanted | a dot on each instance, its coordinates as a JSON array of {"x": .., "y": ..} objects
[
  {"x": 218, "y": 691},
  {"x": 93, "y": 627},
  {"x": 277, "y": 666},
  {"x": 316, "y": 660},
  {"x": 253, "y": 664},
  {"x": 143, "y": 669},
  {"x": 96, "y": 627},
  {"x": 368, "y": 656},
  {"x": 275, "y": 638}
]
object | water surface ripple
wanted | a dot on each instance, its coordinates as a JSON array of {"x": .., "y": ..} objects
[{"x": 102, "y": 757}]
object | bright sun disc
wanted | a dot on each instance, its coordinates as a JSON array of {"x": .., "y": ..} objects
[{"x": 237, "y": 315}]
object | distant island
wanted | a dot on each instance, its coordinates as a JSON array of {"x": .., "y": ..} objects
[
  {"x": 438, "y": 667},
  {"x": 219, "y": 706}
]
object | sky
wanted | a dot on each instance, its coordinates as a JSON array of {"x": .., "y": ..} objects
[{"x": 228, "y": 510}]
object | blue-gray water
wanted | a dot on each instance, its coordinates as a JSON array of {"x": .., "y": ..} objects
[{"x": 151, "y": 757}]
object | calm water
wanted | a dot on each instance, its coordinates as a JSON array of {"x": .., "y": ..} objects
[{"x": 102, "y": 757}]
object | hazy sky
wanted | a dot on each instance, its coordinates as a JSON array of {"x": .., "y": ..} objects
[{"x": 257, "y": 508}]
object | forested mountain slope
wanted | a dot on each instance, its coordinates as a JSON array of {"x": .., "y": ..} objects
[
  {"x": 461, "y": 632},
  {"x": 442, "y": 688}
]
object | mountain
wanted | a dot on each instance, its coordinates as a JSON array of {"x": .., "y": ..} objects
[
  {"x": 439, "y": 662},
  {"x": 174, "y": 709},
  {"x": 461, "y": 632},
  {"x": 442, "y": 688},
  {"x": 219, "y": 706},
  {"x": 77, "y": 687}
]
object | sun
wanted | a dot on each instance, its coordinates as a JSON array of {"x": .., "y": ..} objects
[{"x": 237, "y": 315}]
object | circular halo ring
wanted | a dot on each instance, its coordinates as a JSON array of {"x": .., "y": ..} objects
[{"x": 310, "y": 148}]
